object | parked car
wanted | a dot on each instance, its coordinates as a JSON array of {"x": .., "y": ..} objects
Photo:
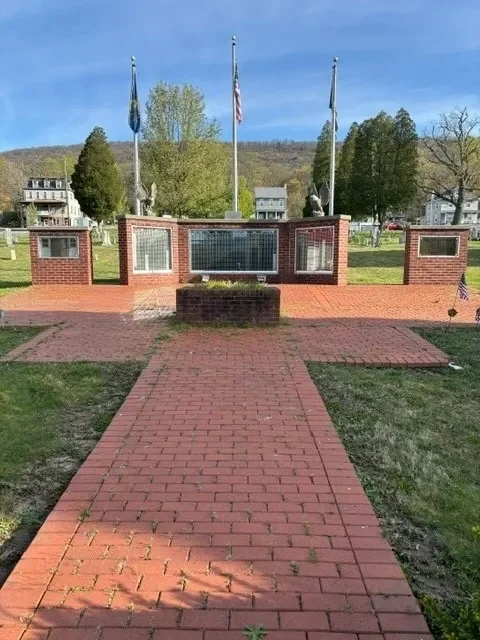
[{"x": 394, "y": 226}]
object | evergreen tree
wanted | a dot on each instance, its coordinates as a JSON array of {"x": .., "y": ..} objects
[
  {"x": 384, "y": 166},
  {"x": 321, "y": 161},
  {"x": 406, "y": 160},
  {"x": 95, "y": 180},
  {"x": 344, "y": 173},
  {"x": 183, "y": 155}
]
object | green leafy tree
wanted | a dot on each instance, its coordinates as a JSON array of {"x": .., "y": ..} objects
[
  {"x": 183, "y": 155},
  {"x": 54, "y": 167},
  {"x": 246, "y": 201},
  {"x": 31, "y": 215},
  {"x": 321, "y": 161},
  {"x": 384, "y": 166},
  {"x": 95, "y": 180},
  {"x": 11, "y": 184},
  {"x": 344, "y": 173},
  {"x": 451, "y": 159}
]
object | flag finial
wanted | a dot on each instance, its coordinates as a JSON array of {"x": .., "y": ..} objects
[
  {"x": 335, "y": 60},
  {"x": 134, "y": 61}
]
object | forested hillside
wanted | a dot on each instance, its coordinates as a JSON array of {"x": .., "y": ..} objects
[{"x": 262, "y": 163}]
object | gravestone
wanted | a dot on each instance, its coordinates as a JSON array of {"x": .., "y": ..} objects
[
  {"x": 13, "y": 255},
  {"x": 9, "y": 237},
  {"x": 106, "y": 239}
]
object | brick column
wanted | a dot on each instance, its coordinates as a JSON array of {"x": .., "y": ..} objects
[
  {"x": 61, "y": 270},
  {"x": 340, "y": 264},
  {"x": 434, "y": 269}
]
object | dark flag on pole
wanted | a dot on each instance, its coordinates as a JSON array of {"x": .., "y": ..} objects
[
  {"x": 134, "y": 107},
  {"x": 238, "y": 98}
]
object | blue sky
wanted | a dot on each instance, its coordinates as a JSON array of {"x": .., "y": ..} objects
[{"x": 65, "y": 64}]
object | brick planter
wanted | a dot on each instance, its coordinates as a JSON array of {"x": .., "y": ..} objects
[{"x": 200, "y": 305}]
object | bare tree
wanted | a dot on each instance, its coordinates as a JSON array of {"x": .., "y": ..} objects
[{"x": 450, "y": 166}]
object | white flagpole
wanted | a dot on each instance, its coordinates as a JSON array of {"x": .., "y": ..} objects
[
  {"x": 136, "y": 165},
  {"x": 333, "y": 106},
  {"x": 234, "y": 127}
]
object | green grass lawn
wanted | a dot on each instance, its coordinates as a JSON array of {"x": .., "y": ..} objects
[
  {"x": 15, "y": 274},
  {"x": 51, "y": 417},
  {"x": 413, "y": 436},
  {"x": 11, "y": 337},
  {"x": 384, "y": 265}
]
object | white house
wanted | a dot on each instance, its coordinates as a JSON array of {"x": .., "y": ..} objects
[
  {"x": 270, "y": 203},
  {"x": 438, "y": 211},
  {"x": 54, "y": 201}
]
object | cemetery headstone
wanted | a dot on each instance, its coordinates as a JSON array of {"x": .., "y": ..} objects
[
  {"x": 8, "y": 237},
  {"x": 13, "y": 255}
]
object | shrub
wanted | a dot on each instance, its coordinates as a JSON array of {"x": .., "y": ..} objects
[{"x": 465, "y": 625}]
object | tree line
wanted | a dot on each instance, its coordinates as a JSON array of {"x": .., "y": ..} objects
[{"x": 385, "y": 168}]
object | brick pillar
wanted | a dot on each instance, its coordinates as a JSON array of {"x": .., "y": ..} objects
[
  {"x": 124, "y": 249},
  {"x": 340, "y": 263},
  {"x": 75, "y": 269},
  {"x": 422, "y": 268}
]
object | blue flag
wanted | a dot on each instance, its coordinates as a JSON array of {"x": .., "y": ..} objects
[{"x": 134, "y": 108}]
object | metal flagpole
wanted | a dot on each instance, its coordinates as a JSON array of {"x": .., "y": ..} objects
[
  {"x": 136, "y": 171},
  {"x": 333, "y": 107},
  {"x": 136, "y": 167},
  {"x": 234, "y": 127},
  {"x": 66, "y": 189}
]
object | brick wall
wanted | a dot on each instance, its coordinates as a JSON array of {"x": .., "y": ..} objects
[
  {"x": 434, "y": 269},
  {"x": 62, "y": 270},
  {"x": 216, "y": 306},
  {"x": 286, "y": 249},
  {"x": 126, "y": 226}
]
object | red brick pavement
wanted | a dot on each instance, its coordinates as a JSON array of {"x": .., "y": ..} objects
[
  {"x": 220, "y": 496},
  {"x": 355, "y": 324}
]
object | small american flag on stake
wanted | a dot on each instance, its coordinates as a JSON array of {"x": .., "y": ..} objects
[
  {"x": 238, "y": 98},
  {"x": 462, "y": 288}
]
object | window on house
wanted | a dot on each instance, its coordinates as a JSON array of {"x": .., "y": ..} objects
[
  {"x": 30, "y": 195},
  {"x": 152, "y": 250},
  {"x": 45, "y": 194},
  {"x": 233, "y": 250},
  {"x": 281, "y": 202},
  {"x": 58, "y": 247},
  {"x": 260, "y": 202},
  {"x": 271, "y": 202},
  {"x": 314, "y": 249},
  {"x": 53, "y": 195},
  {"x": 440, "y": 246},
  {"x": 38, "y": 195},
  {"x": 59, "y": 184}
]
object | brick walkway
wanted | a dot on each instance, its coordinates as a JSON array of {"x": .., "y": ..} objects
[{"x": 220, "y": 496}]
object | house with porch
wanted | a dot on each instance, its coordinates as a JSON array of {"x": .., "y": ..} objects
[
  {"x": 271, "y": 203},
  {"x": 54, "y": 201}
]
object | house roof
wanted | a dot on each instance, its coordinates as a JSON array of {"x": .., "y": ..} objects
[{"x": 270, "y": 192}]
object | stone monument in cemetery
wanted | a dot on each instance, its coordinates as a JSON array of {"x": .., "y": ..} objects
[
  {"x": 147, "y": 198},
  {"x": 8, "y": 237}
]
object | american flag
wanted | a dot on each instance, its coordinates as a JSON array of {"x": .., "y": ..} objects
[
  {"x": 238, "y": 98},
  {"x": 462, "y": 288}
]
